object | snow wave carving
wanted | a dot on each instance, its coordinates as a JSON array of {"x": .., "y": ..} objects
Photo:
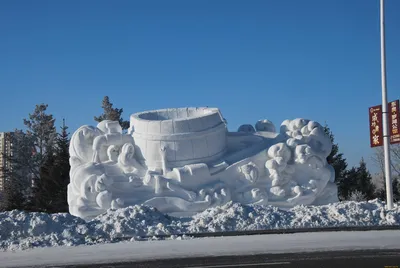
[
  {"x": 298, "y": 168},
  {"x": 183, "y": 161}
]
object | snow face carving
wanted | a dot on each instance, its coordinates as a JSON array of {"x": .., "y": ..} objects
[{"x": 183, "y": 161}]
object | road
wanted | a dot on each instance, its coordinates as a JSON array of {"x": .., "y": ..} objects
[
  {"x": 345, "y": 259},
  {"x": 330, "y": 249}
]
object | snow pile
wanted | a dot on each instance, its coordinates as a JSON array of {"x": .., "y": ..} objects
[
  {"x": 136, "y": 221},
  {"x": 236, "y": 217},
  {"x": 22, "y": 230}
]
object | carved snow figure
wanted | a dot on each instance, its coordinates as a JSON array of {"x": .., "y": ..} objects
[
  {"x": 112, "y": 136},
  {"x": 278, "y": 167},
  {"x": 250, "y": 172},
  {"x": 265, "y": 125},
  {"x": 128, "y": 163},
  {"x": 246, "y": 129},
  {"x": 184, "y": 160},
  {"x": 163, "y": 154},
  {"x": 117, "y": 203}
]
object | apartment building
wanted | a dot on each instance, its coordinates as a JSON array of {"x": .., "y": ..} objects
[{"x": 7, "y": 150}]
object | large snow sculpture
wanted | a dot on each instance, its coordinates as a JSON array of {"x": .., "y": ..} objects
[{"x": 184, "y": 160}]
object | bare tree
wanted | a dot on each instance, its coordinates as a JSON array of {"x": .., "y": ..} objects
[
  {"x": 379, "y": 159},
  {"x": 357, "y": 196}
]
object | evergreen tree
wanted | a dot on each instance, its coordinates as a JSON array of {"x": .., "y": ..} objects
[
  {"x": 42, "y": 132},
  {"x": 365, "y": 180},
  {"x": 28, "y": 182},
  {"x": 396, "y": 189},
  {"x": 62, "y": 169},
  {"x": 381, "y": 193},
  {"x": 54, "y": 177},
  {"x": 43, "y": 190},
  {"x": 359, "y": 180},
  {"x": 339, "y": 164},
  {"x": 110, "y": 113}
]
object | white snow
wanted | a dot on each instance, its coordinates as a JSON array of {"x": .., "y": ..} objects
[
  {"x": 236, "y": 217},
  {"x": 221, "y": 246},
  {"x": 22, "y": 230}
]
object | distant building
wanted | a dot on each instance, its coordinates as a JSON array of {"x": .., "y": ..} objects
[{"x": 7, "y": 150}]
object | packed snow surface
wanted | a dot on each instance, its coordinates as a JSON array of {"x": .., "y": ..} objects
[
  {"x": 22, "y": 230},
  {"x": 109, "y": 255}
]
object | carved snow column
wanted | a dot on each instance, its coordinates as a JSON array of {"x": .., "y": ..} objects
[
  {"x": 163, "y": 153},
  {"x": 171, "y": 138}
]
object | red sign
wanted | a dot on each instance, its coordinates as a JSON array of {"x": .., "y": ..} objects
[
  {"x": 394, "y": 126},
  {"x": 375, "y": 126}
]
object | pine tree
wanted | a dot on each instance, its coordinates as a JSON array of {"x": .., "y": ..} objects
[
  {"x": 339, "y": 164},
  {"x": 348, "y": 184},
  {"x": 13, "y": 195},
  {"x": 381, "y": 193},
  {"x": 110, "y": 113},
  {"x": 41, "y": 126},
  {"x": 396, "y": 189},
  {"x": 42, "y": 131},
  {"x": 359, "y": 180},
  {"x": 62, "y": 169},
  {"x": 51, "y": 195},
  {"x": 365, "y": 180},
  {"x": 44, "y": 188},
  {"x": 31, "y": 164}
]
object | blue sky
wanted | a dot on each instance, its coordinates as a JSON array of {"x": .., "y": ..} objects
[{"x": 253, "y": 59}]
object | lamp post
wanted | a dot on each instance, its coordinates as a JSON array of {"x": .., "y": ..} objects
[{"x": 386, "y": 137}]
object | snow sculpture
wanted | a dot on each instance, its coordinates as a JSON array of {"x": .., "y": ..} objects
[{"x": 184, "y": 160}]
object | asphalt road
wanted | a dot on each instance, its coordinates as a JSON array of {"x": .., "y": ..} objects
[{"x": 337, "y": 259}]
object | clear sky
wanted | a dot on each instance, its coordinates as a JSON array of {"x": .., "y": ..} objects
[{"x": 253, "y": 59}]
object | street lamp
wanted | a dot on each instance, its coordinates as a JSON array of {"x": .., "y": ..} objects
[{"x": 386, "y": 137}]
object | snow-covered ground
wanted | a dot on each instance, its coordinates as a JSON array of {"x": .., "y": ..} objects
[
  {"x": 203, "y": 247},
  {"x": 21, "y": 230}
]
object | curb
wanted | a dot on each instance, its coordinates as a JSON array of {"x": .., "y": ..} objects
[
  {"x": 297, "y": 230},
  {"x": 273, "y": 231}
]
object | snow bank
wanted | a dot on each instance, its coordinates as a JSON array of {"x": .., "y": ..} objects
[
  {"x": 136, "y": 221},
  {"x": 236, "y": 217},
  {"x": 22, "y": 230}
]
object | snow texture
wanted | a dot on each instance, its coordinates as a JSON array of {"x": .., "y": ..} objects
[
  {"x": 184, "y": 160},
  {"x": 22, "y": 230}
]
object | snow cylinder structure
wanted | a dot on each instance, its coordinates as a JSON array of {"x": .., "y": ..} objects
[{"x": 189, "y": 135}]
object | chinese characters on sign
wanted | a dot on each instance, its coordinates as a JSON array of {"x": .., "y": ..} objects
[
  {"x": 375, "y": 126},
  {"x": 394, "y": 128}
]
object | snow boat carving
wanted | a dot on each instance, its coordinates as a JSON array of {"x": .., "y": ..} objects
[{"x": 183, "y": 161}]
